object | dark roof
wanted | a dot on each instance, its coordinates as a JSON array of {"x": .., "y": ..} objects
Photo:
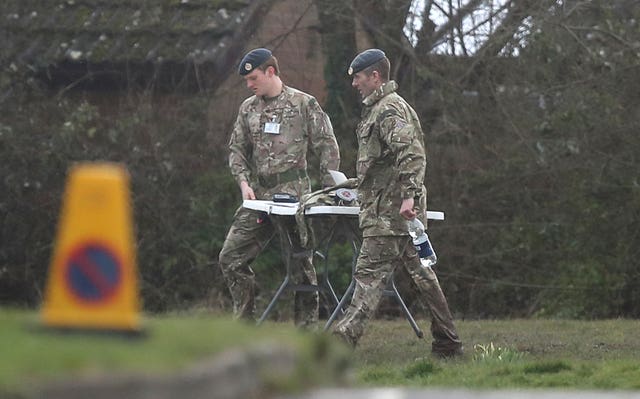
[{"x": 114, "y": 34}]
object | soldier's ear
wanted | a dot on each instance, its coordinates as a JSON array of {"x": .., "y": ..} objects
[{"x": 270, "y": 71}]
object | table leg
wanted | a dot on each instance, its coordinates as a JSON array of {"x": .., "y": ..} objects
[
  {"x": 340, "y": 306},
  {"x": 285, "y": 246},
  {"x": 275, "y": 298},
  {"x": 394, "y": 292}
]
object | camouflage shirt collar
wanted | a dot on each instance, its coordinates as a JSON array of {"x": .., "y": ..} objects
[
  {"x": 382, "y": 91},
  {"x": 279, "y": 97}
]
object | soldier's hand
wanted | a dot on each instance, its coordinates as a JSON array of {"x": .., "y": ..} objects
[
  {"x": 406, "y": 209},
  {"x": 247, "y": 192}
]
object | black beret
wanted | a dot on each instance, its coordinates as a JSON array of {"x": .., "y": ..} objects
[
  {"x": 253, "y": 59},
  {"x": 365, "y": 59}
]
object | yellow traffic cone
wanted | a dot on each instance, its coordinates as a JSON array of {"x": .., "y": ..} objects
[{"x": 92, "y": 281}]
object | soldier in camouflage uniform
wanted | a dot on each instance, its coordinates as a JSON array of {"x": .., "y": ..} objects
[
  {"x": 274, "y": 131},
  {"x": 391, "y": 170}
]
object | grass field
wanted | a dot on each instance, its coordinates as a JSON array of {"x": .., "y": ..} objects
[
  {"x": 499, "y": 354},
  {"x": 31, "y": 355},
  {"x": 506, "y": 354}
]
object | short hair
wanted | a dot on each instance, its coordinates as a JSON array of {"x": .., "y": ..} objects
[
  {"x": 272, "y": 61},
  {"x": 383, "y": 67}
]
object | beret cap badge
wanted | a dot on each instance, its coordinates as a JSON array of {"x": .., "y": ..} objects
[
  {"x": 253, "y": 59},
  {"x": 365, "y": 59}
]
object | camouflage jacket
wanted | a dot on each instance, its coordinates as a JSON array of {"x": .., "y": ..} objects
[
  {"x": 256, "y": 156},
  {"x": 391, "y": 162}
]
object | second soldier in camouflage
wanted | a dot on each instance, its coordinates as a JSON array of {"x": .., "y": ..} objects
[{"x": 391, "y": 170}]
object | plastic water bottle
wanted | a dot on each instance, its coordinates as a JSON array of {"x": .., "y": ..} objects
[{"x": 421, "y": 241}]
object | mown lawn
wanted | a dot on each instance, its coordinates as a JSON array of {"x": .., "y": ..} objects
[
  {"x": 506, "y": 354},
  {"x": 32, "y": 355},
  {"x": 499, "y": 353}
]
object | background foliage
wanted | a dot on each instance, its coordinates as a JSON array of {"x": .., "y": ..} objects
[{"x": 532, "y": 153}]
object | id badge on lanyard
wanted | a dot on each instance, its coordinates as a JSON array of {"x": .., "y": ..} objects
[{"x": 272, "y": 127}]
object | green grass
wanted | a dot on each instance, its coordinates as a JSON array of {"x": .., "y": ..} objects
[
  {"x": 498, "y": 354},
  {"x": 31, "y": 354},
  {"x": 506, "y": 354}
]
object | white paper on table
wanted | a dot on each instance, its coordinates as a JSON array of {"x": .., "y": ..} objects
[
  {"x": 285, "y": 208},
  {"x": 277, "y": 208},
  {"x": 338, "y": 177}
]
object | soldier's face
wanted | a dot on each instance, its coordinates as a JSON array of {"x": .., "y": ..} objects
[
  {"x": 258, "y": 82},
  {"x": 365, "y": 84}
]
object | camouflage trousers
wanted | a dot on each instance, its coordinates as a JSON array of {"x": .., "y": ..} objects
[
  {"x": 245, "y": 240},
  {"x": 379, "y": 257}
]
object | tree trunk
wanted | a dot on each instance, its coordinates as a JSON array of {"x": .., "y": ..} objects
[{"x": 339, "y": 46}]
